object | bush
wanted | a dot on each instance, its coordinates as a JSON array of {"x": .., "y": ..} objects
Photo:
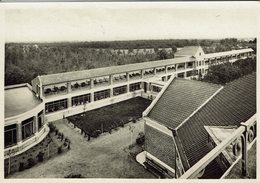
[
  {"x": 52, "y": 127},
  {"x": 40, "y": 156},
  {"x": 134, "y": 120},
  {"x": 21, "y": 167},
  {"x": 140, "y": 139},
  {"x": 62, "y": 136},
  {"x": 56, "y": 131},
  {"x": 96, "y": 133},
  {"x": 59, "y": 149},
  {"x": 31, "y": 162}
]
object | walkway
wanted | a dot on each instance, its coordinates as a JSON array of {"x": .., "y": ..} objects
[{"x": 104, "y": 157}]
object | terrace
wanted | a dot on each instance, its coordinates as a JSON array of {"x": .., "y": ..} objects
[
  {"x": 57, "y": 89},
  {"x": 19, "y": 99}
]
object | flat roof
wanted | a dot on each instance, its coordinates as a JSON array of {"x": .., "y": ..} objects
[
  {"x": 19, "y": 99},
  {"x": 104, "y": 71}
]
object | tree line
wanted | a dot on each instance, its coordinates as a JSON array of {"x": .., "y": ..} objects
[{"x": 25, "y": 61}]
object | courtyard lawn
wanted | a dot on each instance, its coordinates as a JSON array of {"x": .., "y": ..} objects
[{"x": 110, "y": 117}]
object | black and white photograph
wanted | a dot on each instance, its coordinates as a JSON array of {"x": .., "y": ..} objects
[{"x": 129, "y": 90}]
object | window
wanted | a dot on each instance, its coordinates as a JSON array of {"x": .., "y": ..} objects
[
  {"x": 80, "y": 100},
  {"x": 135, "y": 86},
  {"x": 189, "y": 65},
  {"x": 199, "y": 63},
  {"x": 156, "y": 89},
  {"x": 27, "y": 128},
  {"x": 180, "y": 75},
  {"x": 40, "y": 120},
  {"x": 190, "y": 73},
  {"x": 56, "y": 105},
  {"x": 119, "y": 90},
  {"x": 200, "y": 54},
  {"x": 10, "y": 135},
  {"x": 101, "y": 94}
]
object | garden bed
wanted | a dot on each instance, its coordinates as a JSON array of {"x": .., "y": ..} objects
[
  {"x": 92, "y": 123},
  {"x": 50, "y": 146}
]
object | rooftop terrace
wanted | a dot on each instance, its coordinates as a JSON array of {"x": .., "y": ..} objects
[{"x": 19, "y": 99}]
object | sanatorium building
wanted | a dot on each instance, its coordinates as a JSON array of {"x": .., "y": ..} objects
[{"x": 28, "y": 108}]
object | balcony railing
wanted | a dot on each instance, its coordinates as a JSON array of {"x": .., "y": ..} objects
[{"x": 247, "y": 132}]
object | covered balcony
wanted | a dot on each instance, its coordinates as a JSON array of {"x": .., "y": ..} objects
[{"x": 57, "y": 89}]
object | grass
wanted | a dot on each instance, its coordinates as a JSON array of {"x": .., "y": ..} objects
[{"x": 110, "y": 117}]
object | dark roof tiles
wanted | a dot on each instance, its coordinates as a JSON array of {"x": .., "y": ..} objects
[
  {"x": 180, "y": 100},
  {"x": 234, "y": 104}
]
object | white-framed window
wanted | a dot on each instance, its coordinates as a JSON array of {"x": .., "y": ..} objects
[
  {"x": 10, "y": 135},
  {"x": 27, "y": 128},
  {"x": 56, "y": 105},
  {"x": 135, "y": 86},
  {"x": 80, "y": 100},
  {"x": 101, "y": 94},
  {"x": 119, "y": 90}
]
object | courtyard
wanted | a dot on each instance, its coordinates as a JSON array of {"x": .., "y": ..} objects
[{"x": 107, "y": 156}]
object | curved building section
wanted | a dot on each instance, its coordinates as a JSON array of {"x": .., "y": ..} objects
[{"x": 24, "y": 119}]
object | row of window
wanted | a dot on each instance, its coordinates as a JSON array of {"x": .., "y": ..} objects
[
  {"x": 28, "y": 129},
  {"x": 83, "y": 99}
]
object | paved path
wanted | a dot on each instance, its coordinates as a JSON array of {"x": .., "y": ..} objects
[{"x": 104, "y": 157}]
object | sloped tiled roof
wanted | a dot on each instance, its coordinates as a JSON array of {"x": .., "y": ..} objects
[
  {"x": 234, "y": 104},
  {"x": 180, "y": 100},
  {"x": 226, "y": 53},
  {"x": 104, "y": 71},
  {"x": 188, "y": 51}
]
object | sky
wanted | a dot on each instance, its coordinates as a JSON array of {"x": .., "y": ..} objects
[{"x": 55, "y": 22}]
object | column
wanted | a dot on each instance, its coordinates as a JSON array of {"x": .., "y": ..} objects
[
  {"x": 176, "y": 67},
  {"x": 35, "y": 125},
  {"x": 127, "y": 76},
  {"x": 110, "y": 79},
  {"x": 91, "y": 83},
  {"x": 19, "y": 132},
  {"x": 166, "y": 69},
  {"x": 69, "y": 102},
  {"x": 111, "y": 92},
  {"x": 142, "y": 73},
  {"x": 92, "y": 97},
  {"x": 127, "y": 88},
  {"x": 244, "y": 153},
  {"x": 154, "y": 71},
  {"x": 69, "y": 87}
]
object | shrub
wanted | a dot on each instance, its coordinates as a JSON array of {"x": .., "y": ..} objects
[
  {"x": 96, "y": 133},
  {"x": 31, "y": 162},
  {"x": 59, "y": 150},
  {"x": 62, "y": 136},
  {"x": 21, "y": 166},
  {"x": 56, "y": 131},
  {"x": 52, "y": 127},
  {"x": 140, "y": 139},
  {"x": 40, "y": 156},
  {"x": 134, "y": 120}
]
